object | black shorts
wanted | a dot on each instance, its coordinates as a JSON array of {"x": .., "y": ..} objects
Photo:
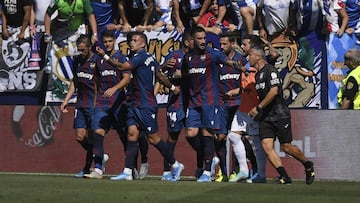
[{"x": 280, "y": 129}]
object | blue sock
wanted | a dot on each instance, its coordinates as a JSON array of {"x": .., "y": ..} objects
[
  {"x": 165, "y": 152},
  {"x": 221, "y": 153},
  {"x": 98, "y": 150},
  {"x": 131, "y": 154},
  {"x": 209, "y": 150},
  {"x": 143, "y": 147}
]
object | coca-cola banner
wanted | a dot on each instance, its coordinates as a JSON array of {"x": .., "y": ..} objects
[{"x": 41, "y": 139}]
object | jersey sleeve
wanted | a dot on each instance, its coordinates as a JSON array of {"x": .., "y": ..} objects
[
  {"x": 274, "y": 78},
  {"x": 351, "y": 88}
]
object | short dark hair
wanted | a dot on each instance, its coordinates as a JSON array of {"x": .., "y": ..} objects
[
  {"x": 255, "y": 40},
  {"x": 84, "y": 38},
  {"x": 230, "y": 35},
  {"x": 108, "y": 33},
  {"x": 196, "y": 29},
  {"x": 186, "y": 36},
  {"x": 141, "y": 34}
]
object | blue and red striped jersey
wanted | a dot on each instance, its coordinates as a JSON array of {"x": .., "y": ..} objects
[
  {"x": 144, "y": 66},
  {"x": 107, "y": 77},
  {"x": 175, "y": 102},
  {"x": 203, "y": 72},
  {"x": 84, "y": 81},
  {"x": 230, "y": 78}
]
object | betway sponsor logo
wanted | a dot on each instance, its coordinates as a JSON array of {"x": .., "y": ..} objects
[
  {"x": 85, "y": 75},
  {"x": 230, "y": 77},
  {"x": 197, "y": 70},
  {"x": 108, "y": 72}
]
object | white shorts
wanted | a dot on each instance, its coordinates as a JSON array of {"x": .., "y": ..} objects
[{"x": 244, "y": 123}]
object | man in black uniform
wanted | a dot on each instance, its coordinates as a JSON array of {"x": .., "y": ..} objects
[{"x": 274, "y": 117}]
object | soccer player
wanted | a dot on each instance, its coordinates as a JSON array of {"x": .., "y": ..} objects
[
  {"x": 200, "y": 69},
  {"x": 175, "y": 108},
  {"x": 143, "y": 110},
  {"x": 84, "y": 84},
  {"x": 274, "y": 117},
  {"x": 229, "y": 81},
  {"x": 110, "y": 105}
]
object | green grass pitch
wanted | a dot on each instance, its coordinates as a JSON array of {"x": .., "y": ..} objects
[{"x": 64, "y": 188}]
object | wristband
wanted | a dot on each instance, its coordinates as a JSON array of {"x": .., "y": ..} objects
[
  {"x": 106, "y": 57},
  {"x": 172, "y": 88},
  {"x": 95, "y": 34}
]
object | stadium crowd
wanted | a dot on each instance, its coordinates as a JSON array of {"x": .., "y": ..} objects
[{"x": 212, "y": 93}]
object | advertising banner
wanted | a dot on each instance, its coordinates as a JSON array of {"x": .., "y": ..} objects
[{"x": 40, "y": 139}]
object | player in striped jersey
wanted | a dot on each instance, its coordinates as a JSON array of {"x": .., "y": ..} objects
[
  {"x": 201, "y": 70},
  {"x": 143, "y": 111},
  {"x": 84, "y": 84},
  {"x": 110, "y": 105},
  {"x": 229, "y": 81},
  {"x": 175, "y": 108}
]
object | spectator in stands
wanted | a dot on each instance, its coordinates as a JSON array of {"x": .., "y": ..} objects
[
  {"x": 352, "y": 8},
  {"x": 334, "y": 12},
  {"x": 37, "y": 27},
  {"x": 209, "y": 21},
  {"x": 137, "y": 12},
  {"x": 16, "y": 18},
  {"x": 245, "y": 12},
  {"x": 348, "y": 96},
  {"x": 275, "y": 18},
  {"x": 70, "y": 16}
]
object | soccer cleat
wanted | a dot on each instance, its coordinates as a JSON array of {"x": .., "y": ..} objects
[
  {"x": 105, "y": 159},
  {"x": 176, "y": 172},
  {"x": 204, "y": 178},
  {"x": 256, "y": 179},
  {"x": 232, "y": 176},
  {"x": 222, "y": 179},
  {"x": 240, "y": 176},
  {"x": 122, "y": 176},
  {"x": 214, "y": 163},
  {"x": 81, "y": 174},
  {"x": 144, "y": 168},
  {"x": 95, "y": 174},
  {"x": 282, "y": 180},
  {"x": 198, "y": 172},
  {"x": 310, "y": 174},
  {"x": 167, "y": 177}
]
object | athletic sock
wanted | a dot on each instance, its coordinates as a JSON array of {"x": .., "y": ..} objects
[
  {"x": 143, "y": 148},
  {"x": 209, "y": 150},
  {"x": 250, "y": 154},
  {"x": 260, "y": 156},
  {"x": 281, "y": 170},
  {"x": 98, "y": 150},
  {"x": 164, "y": 151},
  {"x": 171, "y": 146},
  {"x": 239, "y": 150},
  {"x": 220, "y": 146},
  {"x": 131, "y": 154}
]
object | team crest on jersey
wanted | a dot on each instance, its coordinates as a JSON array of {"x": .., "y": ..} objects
[
  {"x": 273, "y": 75},
  {"x": 190, "y": 58},
  {"x": 203, "y": 57},
  {"x": 261, "y": 75},
  {"x": 221, "y": 65},
  {"x": 92, "y": 65}
]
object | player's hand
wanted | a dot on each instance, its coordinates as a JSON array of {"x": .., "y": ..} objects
[
  {"x": 100, "y": 51},
  {"x": 255, "y": 113},
  {"x": 109, "y": 92},
  {"x": 176, "y": 90},
  {"x": 63, "y": 107}
]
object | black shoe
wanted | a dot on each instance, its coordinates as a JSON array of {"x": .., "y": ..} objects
[
  {"x": 282, "y": 180},
  {"x": 310, "y": 174}
]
